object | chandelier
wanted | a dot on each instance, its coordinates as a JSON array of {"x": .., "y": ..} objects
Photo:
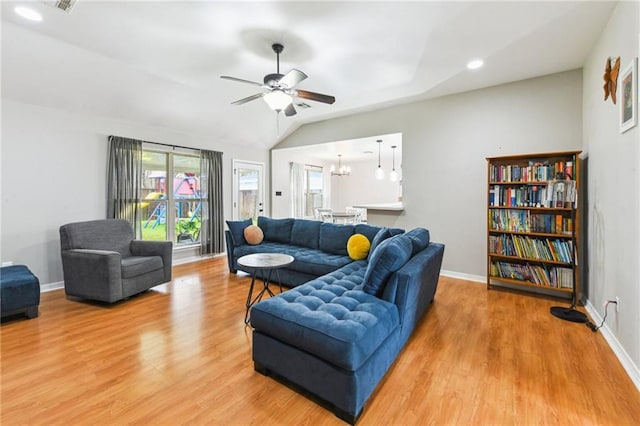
[{"x": 342, "y": 169}]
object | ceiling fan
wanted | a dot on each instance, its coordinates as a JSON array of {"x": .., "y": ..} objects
[{"x": 281, "y": 88}]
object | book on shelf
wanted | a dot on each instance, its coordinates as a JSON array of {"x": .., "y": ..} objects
[
  {"x": 527, "y": 247},
  {"x": 514, "y": 220},
  {"x": 552, "y": 194},
  {"x": 555, "y": 277},
  {"x": 534, "y": 171}
]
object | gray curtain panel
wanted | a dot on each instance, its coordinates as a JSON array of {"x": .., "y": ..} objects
[
  {"x": 212, "y": 230},
  {"x": 124, "y": 181}
]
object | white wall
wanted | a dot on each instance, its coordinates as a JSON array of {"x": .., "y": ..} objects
[
  {"x": 359, "y": 188},
  {"x": 445, "y": 143},
  {"x": 614, "y": 189},
  {"x": 54, "y": 172}
]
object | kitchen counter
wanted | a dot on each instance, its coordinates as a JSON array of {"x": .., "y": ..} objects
[{"x": 382, "y": 206}]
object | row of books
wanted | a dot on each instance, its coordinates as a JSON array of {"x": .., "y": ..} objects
[
  {"x": 528, "y": 221},
  {"x": 556, "y": 277},
  {"x": 532, "y": 248},
  {"x": 556, "y": 193},
  {"x": 533, "y": 172}
]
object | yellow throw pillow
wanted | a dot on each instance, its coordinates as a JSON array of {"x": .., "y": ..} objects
[
  {"x": 253, "y": 235},
  {"x": 358, "y": 247}
]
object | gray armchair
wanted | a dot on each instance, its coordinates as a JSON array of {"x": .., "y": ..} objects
[{"x": 101, "y": 260}]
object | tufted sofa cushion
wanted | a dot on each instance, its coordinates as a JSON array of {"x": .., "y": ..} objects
[
  {"x": 306, "y": 260},
  {"x": 330, "y": 317}
]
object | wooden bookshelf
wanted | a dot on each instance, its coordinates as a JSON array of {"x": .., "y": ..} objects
[{"x": 532, "y": 222}]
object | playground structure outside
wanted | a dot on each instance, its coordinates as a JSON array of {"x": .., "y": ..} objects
[{"x": 187, "y": 201}]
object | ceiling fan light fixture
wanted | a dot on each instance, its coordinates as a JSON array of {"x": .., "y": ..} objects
[{"x": 277, "y": 100}]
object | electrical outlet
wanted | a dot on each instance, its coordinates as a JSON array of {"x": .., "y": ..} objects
[{"x": 617, "y": 304}]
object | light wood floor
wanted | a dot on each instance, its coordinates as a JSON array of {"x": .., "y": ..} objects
[{"x": 180, "y": 353}]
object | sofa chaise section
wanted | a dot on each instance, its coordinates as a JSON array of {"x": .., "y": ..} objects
[{"x": 339, "y": 340}]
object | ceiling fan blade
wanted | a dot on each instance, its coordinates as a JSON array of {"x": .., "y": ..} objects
[
  {"x": 318, "y": 97},
  {"x": 290, "y": 110},
  {"x": 290, "y": 79},
  {"x": 240, "y": 80},
  {"x": 248, "y": 99}
]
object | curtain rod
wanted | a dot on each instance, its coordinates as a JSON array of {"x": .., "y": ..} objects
[
  {"x": 158, "y": 143},
  {"x": 173, "y": 146}
]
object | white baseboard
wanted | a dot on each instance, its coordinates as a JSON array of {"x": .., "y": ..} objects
[
  {"x": 624, "y": 358},
  {"x": 197, "y": 258},
  {"x": 51, "y": 286},
  {"x": 462, "y": 276}
]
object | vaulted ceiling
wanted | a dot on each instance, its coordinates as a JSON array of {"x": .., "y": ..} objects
[{"x": 159, "y": 62}]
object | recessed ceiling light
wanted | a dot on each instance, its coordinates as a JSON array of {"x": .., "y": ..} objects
[
  {"x": 28, "y": 13},
  {"x": 475, "y": 64}
]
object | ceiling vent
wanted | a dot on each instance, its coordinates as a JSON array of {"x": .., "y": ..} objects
[{"x": 64, "y": 5}]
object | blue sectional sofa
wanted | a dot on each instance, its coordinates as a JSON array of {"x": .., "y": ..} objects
[
  {"x": 335, "y": 336},
  {"x": 318, "y": 247}
]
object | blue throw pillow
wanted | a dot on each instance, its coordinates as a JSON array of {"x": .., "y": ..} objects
[
  {"x": 305, "y": 233},
  {"x": 382, "y": 235},
  {"x": 390, "y": 256},
  {"x": 236, "y": 227},
  {"x": 276, "y": 230},
  {"x": 419, "y": 239}
]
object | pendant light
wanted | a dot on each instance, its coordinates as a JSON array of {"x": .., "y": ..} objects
[
  {"x": 379, "y": 171},
  {"x": 393, "y": 176}
]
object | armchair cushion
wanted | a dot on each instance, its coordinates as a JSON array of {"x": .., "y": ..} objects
[{"x": 134, "y": 266}]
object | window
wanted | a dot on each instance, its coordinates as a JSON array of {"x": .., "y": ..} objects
[
  {"x": 314, "y": 194},
  {"x": 171, "y": 208}
]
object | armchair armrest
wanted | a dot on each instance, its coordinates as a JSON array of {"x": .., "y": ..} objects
[
  {"x": 92, "y": 274},
  {"x": 164, "y": 249}
]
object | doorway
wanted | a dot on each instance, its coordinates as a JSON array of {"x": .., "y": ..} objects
[{"x": 248, "y": 190}]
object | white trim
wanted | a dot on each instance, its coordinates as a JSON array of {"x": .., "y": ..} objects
[
  {"x": 624, "y": 358},
  {"x": 463, "y": 276},
  {"x": 192, "y": 259},
  {"x": 51, "y": 286}
]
